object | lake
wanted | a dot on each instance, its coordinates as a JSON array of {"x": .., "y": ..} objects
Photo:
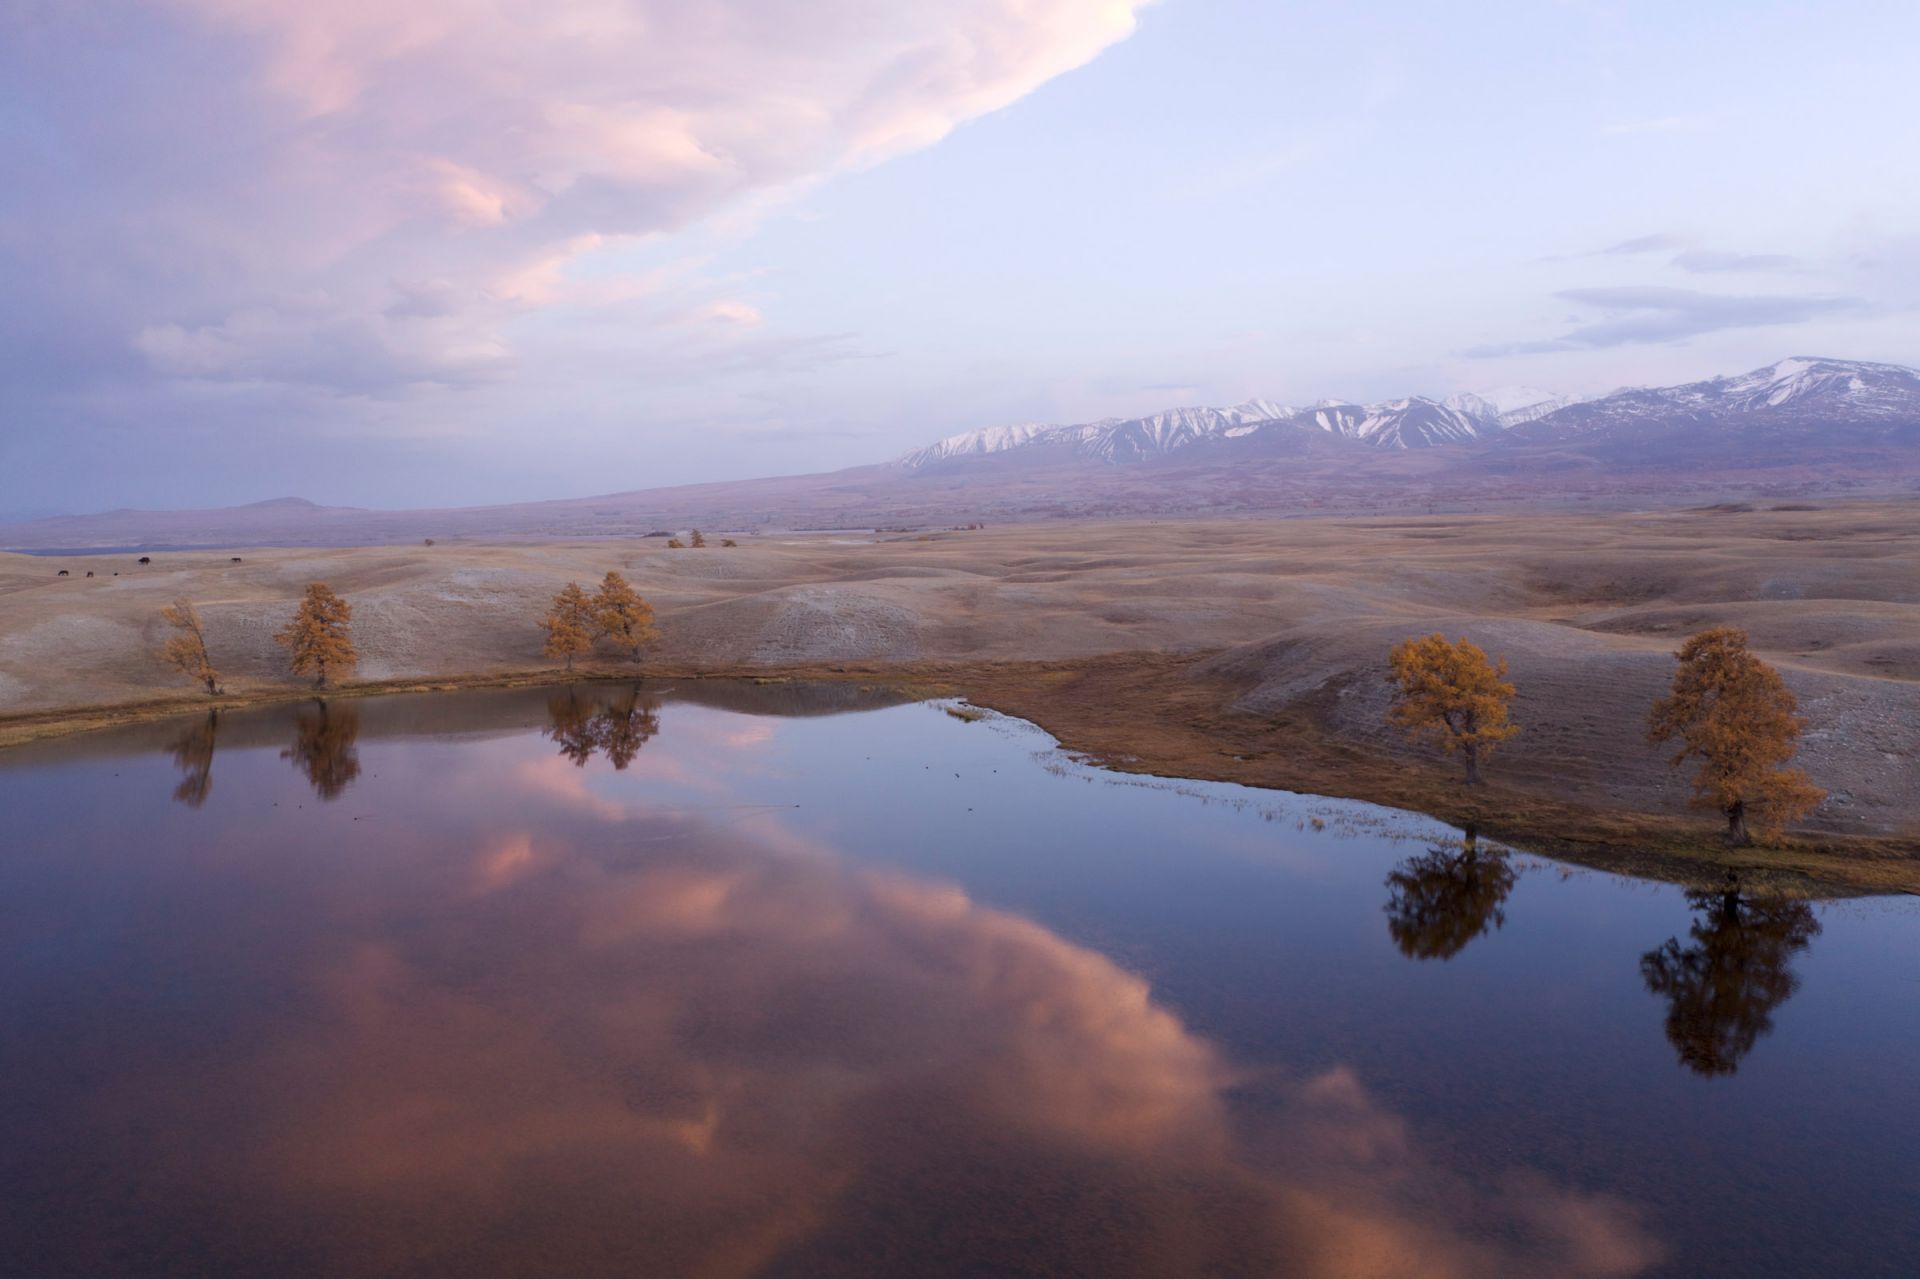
[{"x": 717, "y": 979}]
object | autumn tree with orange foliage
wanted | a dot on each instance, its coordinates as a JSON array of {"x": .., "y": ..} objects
[
  {"x": 1452, "y": 694},
  {"x": 569, "y": 624},
  {"x": 622, "y": 615},
  {"x": 187, "y": 650},
  {"x": 1733, "y": 713},
  {"x": 319, "y": 639}
]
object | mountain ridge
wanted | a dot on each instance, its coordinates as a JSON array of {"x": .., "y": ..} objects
[
  {"x": 1802, "y": 427},
  {"x": 1866, "y": 388}
]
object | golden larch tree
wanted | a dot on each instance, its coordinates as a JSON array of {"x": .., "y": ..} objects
[
  {"x": 1454, "y": 695},
  {"x": 1733, "y": 713},
  {"x": 622, "y": 615},
  {"x": 319, "y": 639},
  {"x": 696, "y": 538},
  {"x": 569, "y": 624},
  {"x": 187, "y": 649}
]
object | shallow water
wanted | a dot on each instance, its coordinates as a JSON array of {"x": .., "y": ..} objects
[{"x": 733, "y": 980}]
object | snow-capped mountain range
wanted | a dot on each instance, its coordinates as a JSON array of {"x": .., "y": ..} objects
[
  {"x": 1414, "y": 422},
  {"x": 1803, "y": 427},
  {"x": 1796, "y": 395},
  {"x": 1801, "y": 392},
  {"x": 1111, "y": 439}
]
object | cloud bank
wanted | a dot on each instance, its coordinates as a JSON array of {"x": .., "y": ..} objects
[{"x": 361, "y": 196}]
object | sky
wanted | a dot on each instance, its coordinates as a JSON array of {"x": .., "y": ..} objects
[{"x": 463, "y": 251}]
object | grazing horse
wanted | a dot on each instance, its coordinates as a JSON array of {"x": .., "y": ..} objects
[
  {"x": 146, "y": 559},
  {"x": 61, "y": 573},
  {"x": 234, "y": 560}
]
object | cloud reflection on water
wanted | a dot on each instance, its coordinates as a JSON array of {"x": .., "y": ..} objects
[{"x": 546, "y": 1033}]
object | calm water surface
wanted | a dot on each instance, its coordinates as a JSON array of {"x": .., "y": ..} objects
[{"x": 732, "y": 981}]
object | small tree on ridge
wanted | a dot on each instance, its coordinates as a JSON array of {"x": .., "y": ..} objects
[
  {"x": 319, "y": 639},
  {"x": 187, "y": 650},
  {"x": 1733, "y": 713},
  {"x": 1452, "y": 693}
]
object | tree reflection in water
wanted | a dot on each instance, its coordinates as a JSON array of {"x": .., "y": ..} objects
[
  {"x": 618, "y": 724},
  {"x": 1446, "y": 897},
  {"x": 1721, "y": 991},
  {"x": 323, "y": 748},
  {"x": 572, "y": 725},
  {"x": 193, "y": 753}
]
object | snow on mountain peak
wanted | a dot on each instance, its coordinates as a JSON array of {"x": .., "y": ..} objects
[
  {"x": 991, "y": 439},
  {"x": 1412, "y": 422},
  {"x": 1501, "y": 400},
  {"x": 1112, "y": 439},
  {"x": 1801, "y": 384},
  {"x": 1864, "y": 386},
  {"x": 1257, "y": 410}
]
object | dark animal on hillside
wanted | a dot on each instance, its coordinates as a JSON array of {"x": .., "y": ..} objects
[
  {"x": 61, "y": 573},
  {"x": 234, "y": 560},
  {"x": 146, "y": 559}
]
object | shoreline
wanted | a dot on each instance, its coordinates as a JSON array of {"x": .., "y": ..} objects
[{"x": 1124, "y": 713}]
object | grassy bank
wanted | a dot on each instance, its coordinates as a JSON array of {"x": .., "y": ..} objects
[{"x": 1145, "y": 713}]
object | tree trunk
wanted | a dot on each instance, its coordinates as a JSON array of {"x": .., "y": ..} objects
[
  {"x": 1471, "y": 726},
  {"x": 569, "y": 662},
  {"x": 213, "y": 690},
  {"x": 1737, "y": 833}
]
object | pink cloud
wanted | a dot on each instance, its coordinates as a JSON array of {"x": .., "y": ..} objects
[{"x": 493, "y": 146}]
